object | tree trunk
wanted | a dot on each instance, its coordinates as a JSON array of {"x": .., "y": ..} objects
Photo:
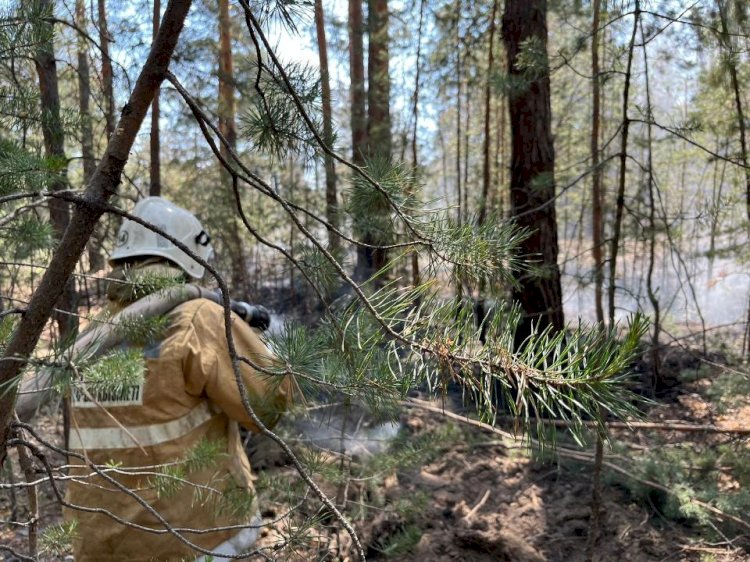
[
  {"x": 107, "y": 80},
  {"x": 99, "y": 191},
  {"x": 732, "y": 67},
  {"x": 726, "y": 43},
  {"x": 652, "y": 297},
  {"x": 379, "y": 145},
  {"x": 379, "y": 82},
  {"x": 54, "y": 149},
  {"x": 155, "y": 185},
  {"x": 227, "y": 127},
  {"x": 596, "y": 175},
  {"x": 415, "y": 116},
  {"x": 620, "y": 203},
  {"x": 96, "y": 259},
  {"x": 467, "y": 148},
  {"x": 532, "y": 172},
  {"x": 459, "y": 214},
  {"x": 486, "y": 168},
  {"x": 357, "y": 75},
  {"x": 332, "y": 212}
]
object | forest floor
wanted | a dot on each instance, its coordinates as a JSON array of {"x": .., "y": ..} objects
[{"x": 447, "y": 491}]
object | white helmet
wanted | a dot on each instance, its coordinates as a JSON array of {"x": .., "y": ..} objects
[{"x": 135, "y": 240}]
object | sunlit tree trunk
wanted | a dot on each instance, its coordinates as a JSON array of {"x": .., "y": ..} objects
[{"x": 227, "y": 127}]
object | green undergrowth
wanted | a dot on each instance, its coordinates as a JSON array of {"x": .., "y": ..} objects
[{"x": 701, "y": 471}]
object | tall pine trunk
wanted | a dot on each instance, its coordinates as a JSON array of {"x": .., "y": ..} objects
[
  {"x": 107, "y": 77},
  {"x": 96, "y": 259},
  {"x": 596, "y": 174},
  {"x": 731, "y": 54},
  {"x": 372, "y": 259},
  {"x": 332, "y": 213},
  {"x": 486, "y": 168},
  {"x": 357, "y": 77},
  {"x": 54, "y": 149},
  {"x": 459, "y": 73},
  {"x": 155, "y": 184},
  {"x": 532, "y": 171},
  {"x": 414, "y": 147},
  {"x": 227, "y": 127}
]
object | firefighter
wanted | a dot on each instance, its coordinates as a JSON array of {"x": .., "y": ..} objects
[{"x": 150, "y": 436}]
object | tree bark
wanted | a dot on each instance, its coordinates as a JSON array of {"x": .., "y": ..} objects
[
  {"x": 371, "y": 260},
  {"x": 54, "y": 149},
  {"x": 227, "y": 127},
  {"x": 154, "y": 188},
  {"x": 596, "y": 175},
  {"x": 414, "y": 150},
  {"x": 732, "y": 67},
  {"x": 532, "y": 172},
  {"x": 379, "y": 82},
  {"x": 486, "y": 168},
  {"x": 357, "y": 75},
  {"x": 620, "y": 203},
  {"x": 107, "y": 77},
  {"x": 96, "y": 259},
  {"x": 459, "y": 214},
  {"x": 332, "y": 212},
  {"x": 102, "y": 187},
  {"x": 726, "y": 41},
  {"x": 652, "y": 296}
]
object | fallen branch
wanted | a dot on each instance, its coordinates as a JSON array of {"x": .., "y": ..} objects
[
  {"x": 477, "y": 507},
  {"x": 661, "y": 426},
  {"x": 583, "y": 456}
]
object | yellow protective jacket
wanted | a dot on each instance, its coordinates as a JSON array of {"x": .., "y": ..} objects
[{"x": 144, "y": 437}]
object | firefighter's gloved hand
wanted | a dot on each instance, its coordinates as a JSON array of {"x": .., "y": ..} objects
[{"x": 255, "y": 315}]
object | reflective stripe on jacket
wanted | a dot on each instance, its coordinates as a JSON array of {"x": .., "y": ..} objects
[{"x": 189, "y": 397}]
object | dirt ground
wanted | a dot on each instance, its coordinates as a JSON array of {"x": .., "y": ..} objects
[{"x": 481, "y": 498}]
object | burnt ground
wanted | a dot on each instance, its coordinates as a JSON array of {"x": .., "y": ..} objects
[{"x": 474, "y": 496}]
